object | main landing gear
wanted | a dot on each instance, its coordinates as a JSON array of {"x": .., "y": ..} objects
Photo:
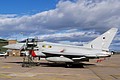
[{"x": 69, "y": 64}]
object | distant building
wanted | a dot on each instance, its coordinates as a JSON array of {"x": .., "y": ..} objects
[
  {"x": 13, "y": 52},
  {"x": 12, "y": 41}
]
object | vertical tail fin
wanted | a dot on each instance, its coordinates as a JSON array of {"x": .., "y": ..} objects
[{"x": 103, "y": 42}]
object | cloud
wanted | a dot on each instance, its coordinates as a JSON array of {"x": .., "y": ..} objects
[
  {"x": 7, "y": 16},
  {"x": 67, "y": 15},
  {"x": 70, "y": 19},
  {"x": 58, "y": 35}
]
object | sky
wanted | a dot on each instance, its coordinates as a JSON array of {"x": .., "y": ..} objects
[
  {"x": 74, "y": 22},
  {"x": 23, "y": 7}
]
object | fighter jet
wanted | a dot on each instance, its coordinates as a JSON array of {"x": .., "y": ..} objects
[{"x": 69, "y": 54}]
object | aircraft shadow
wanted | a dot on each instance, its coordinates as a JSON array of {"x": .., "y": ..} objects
[{"x": 47, "y": 64}]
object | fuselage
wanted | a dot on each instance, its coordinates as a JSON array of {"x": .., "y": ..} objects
[{"x": 54, "y": 49}]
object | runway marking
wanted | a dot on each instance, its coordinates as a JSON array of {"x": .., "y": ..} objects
[
  {"x": 35, "y": 74},
  {"x": 5, "y": 67},
  {"x": 4, "y": 76},
  {"x": 22, "y": 74},
  {"x": 116, "y": 76},
  {"x": 96, "y": 74},
  {"x": 57, "y": 79},
  {"x": 48, "y": 76}
]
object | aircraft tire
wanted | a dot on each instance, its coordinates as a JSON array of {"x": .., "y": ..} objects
[{"x": 69, "y": 65}]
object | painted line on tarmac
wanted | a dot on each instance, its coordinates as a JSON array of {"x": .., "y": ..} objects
[
  {"x": 2, "y": 75},
  {"x": 6, "y": 67}
]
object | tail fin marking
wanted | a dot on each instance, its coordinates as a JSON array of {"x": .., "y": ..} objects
[{"x": 103, "y": 42}]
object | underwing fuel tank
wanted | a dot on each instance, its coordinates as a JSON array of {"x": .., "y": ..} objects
[{"x": 59, "y": 59}]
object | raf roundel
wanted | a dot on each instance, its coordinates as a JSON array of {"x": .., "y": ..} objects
[{"x": 103, "y": 37}]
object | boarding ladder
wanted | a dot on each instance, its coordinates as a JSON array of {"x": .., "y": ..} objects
[{"x": 30, "y": 45}]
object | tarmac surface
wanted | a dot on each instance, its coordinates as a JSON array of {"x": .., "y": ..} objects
[{"x": 109, "y": 69}]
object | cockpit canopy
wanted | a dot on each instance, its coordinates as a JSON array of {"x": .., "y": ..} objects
[{"x": 31, "y": 40}]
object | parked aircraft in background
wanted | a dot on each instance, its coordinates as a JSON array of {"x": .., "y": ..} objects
[
  {"x": 69, "y": 54},
  {"x": 2, "y": 54}
]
